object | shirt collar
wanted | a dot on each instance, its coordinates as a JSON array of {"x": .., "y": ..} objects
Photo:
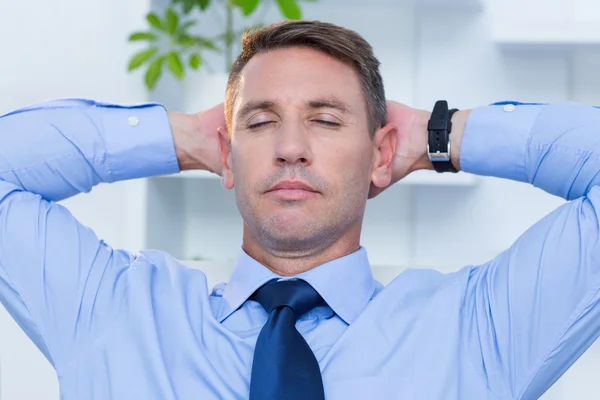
[{"x": 346, "y": 284}]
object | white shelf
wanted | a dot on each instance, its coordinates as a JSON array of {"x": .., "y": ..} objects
[
  {"x": 547, "y": 34},
  {"x": 416, "y": 3},
  {"x": 421, "y": 178},
  {"x": 432, "y": 178}
]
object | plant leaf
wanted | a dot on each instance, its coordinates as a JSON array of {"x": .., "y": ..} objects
[
  {"x": 247, "y": 6},
  {"x": 153, "y": 73},
  {"x": 195, "y": 61},
  {"x": 203, "y": 4},
  {"x": 290, "y": 9},
  {"x": 138, "y": 59},
  {"x": 185, "y": 26},
  {"x": 153, "y": 19},
  {"x": 175, "y": 65},
  {"x": 209, "y": 44},
  {"x": 186, "y": 40},
  {"x": 188, "y": 5},
  {"x": 172, "y": 20},
  {"x": 137, "y": 36}
]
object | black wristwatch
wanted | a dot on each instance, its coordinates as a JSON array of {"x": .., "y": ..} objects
[{"x": 438, "y": 145}]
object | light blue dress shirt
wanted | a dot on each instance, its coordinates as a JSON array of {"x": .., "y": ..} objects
[{"x": 124, "y": 326}]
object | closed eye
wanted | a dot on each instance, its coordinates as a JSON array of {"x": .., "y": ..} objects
[
  {"x": 259, "y": 124},
  {"x": 328, "y": 123}
]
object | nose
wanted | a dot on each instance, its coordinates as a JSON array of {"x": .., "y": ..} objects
[{"x": 292, "y": 146}]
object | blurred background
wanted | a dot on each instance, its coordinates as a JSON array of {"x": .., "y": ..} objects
[{"x": 177, "y": 52}]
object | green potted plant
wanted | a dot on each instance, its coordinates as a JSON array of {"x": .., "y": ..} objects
[{"x": 174, "y": 46}]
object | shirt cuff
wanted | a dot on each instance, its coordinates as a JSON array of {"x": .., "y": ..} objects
[
  {"x": 495, "y": 140},
  {"x": 138, "y": 139}
]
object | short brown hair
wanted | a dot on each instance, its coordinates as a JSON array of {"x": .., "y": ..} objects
[{"x": 342, "y": 44}]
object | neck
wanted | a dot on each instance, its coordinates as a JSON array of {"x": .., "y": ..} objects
[{"x": 291, "y": 263}]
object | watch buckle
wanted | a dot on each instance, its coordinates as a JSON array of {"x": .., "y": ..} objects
[{"x": 439, "y": 156}]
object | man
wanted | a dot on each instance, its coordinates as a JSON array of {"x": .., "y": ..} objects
[{"x": 306, "y": 142}]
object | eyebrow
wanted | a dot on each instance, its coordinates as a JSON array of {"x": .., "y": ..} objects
[
  {"x": 263, "y": 105},
  {"x": 252, "y": 106},
  {"x": 329, "y": 103}
]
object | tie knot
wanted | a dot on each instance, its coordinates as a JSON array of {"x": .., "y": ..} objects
[{"x": 296, "y": 294}]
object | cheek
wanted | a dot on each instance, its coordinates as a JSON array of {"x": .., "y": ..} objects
[
  {"x": 250, "y": 160},
  {"x": 352, "y": 165}
]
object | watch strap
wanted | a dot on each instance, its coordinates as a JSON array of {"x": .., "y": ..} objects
[{"x": 439, "y": 128}]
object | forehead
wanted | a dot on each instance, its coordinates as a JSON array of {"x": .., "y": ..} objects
[{"x": 297, "y": 76}]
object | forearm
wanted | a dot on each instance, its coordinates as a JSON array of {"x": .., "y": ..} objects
[
  {"x": 58, "y": 149},
  {"x": 459, "y": 121},
  {"x": 554, "y": 147},
  {"x": 191, "y": 148},
  {"x": 551, "y": 272}
]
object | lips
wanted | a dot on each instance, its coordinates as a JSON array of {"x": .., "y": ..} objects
[
  {"x": 292, "y": 185},
  {"x": 292, "y": 191}
]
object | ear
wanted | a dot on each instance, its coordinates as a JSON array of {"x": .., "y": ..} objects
[
  {"x": 384, "y": 150},
  {"x": 225, "y": 152}
]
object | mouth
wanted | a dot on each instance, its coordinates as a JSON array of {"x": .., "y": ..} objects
[{"x": 292, "y": 190}]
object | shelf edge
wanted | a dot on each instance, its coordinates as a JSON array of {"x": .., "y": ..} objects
[{"x": 552, "y": 34}]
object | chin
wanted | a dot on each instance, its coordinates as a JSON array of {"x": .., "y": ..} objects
[
  {"x": 289, "y": 229},
  {"x": 290, "y": 217},
  {"x": 296, "y": 234},
  {"x": 289, "y": 244}
]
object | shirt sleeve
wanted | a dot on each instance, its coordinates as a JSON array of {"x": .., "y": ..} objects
[
  {"x": 60, "y": 282},
  {"x": 534, "y": 309}
]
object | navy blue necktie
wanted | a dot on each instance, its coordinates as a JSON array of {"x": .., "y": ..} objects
[{"x": 284, "y": 366}]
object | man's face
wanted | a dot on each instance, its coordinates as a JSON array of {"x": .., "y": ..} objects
[{"x": 300, "y": 155}]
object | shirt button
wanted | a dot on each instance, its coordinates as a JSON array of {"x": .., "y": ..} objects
[
  {"x": 133, "y": 121},
  {"x": 509, "y": 107}
]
